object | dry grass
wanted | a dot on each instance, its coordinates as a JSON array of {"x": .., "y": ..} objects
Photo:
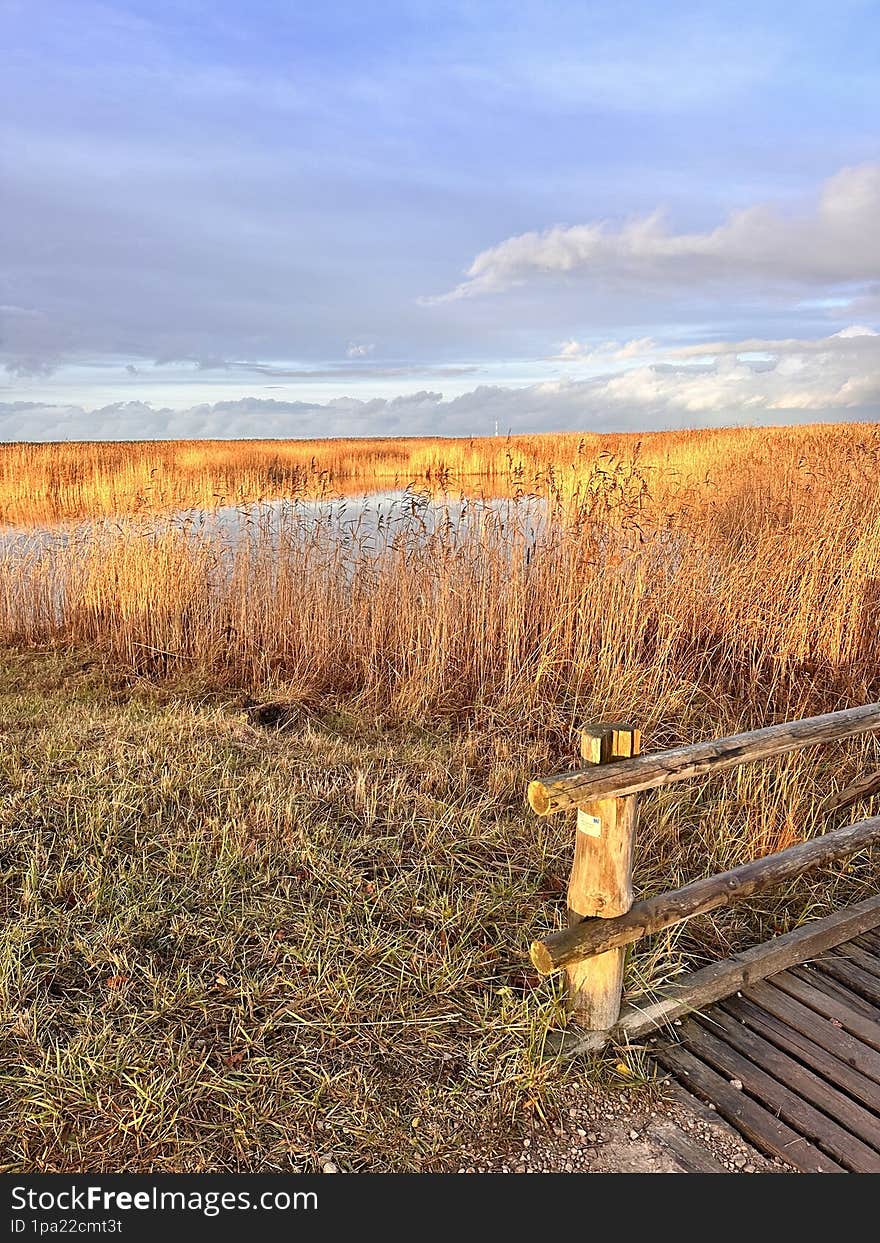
[
  {"x": 233, "y": 947},
  {"x": 227, "y": 946}
]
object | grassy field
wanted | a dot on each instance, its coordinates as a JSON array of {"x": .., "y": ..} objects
[
  {"x": 268, "y": 874},
  {"x": 232, "y": 945}
]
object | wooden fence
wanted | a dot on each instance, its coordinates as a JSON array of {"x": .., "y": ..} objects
[{"x": 602, "y": 917}]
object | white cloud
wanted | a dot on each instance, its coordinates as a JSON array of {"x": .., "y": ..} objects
[
  {"x": 703, "y": 385},
  {"x": 836, "y": 242},
  {"x": 856, "y": 330},
  {"x": 857, "y": 340},
  {"x": 357, "y": 349},
  {"x": 608, "y": 351}
]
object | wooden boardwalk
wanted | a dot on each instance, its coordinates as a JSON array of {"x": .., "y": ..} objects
[
  {"x": 781, "y": 1039},
  {"x": 793, "y": 1061}
]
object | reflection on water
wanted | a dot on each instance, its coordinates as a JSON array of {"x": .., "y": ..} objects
[
  {"x": 376, "y": 520},
  {"x": 342, "y": 536},
  {"x": 378, "y": 517}
]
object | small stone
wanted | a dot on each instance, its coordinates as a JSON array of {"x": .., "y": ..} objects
[
  {"x": 748, "y": 1169},
  {"x": 527, "y": 1143},
  {"x": 740, "y": 1161},
  {"x": 592, "y": 1137},
  {"x": 581, "y": 1131},
  {"x": 634, "y": 1135},
  {"x": 330, "y": 1167},
  {"x": 712, "y": 1107},
  {"x": 736, "y": 1083}
]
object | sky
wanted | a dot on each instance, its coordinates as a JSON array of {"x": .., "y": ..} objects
[{"x": 284, "y": 218}]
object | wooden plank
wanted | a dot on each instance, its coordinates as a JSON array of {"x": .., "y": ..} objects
[
  {"x": 778, "y": 1063},
  {"x": 555, "y": 793},
  {"x": 788, "y": 1105},
  {"x": 752, "y": 1120},
  {"x": 858, "y": 981},
  {"x": 860, "y": 957},
  {"x": 594, "y": 936},
  {"x": 816, "y": 1027},
  {"x": 865, "y": 1030},
  {"x": 870, "y": 945},
  {"x": 863, "y": 787},
  {"x": 710, "y": 1117},
  {"x": 788, "y": 1038},
  {"x": 601, "y": 881},
  {"x": 827, "y": 984},
  {"x": 698, "y": 989},
  {"x": 691, "y": 1157},
  {"x": 870, "y": 942}
]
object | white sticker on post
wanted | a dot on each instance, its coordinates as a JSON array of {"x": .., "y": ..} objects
[{"x": 591, "y": 825}]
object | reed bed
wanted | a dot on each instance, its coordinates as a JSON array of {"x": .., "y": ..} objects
[
  {"x": 745, "y": 566},
  {"x": 48, "y": 483}
]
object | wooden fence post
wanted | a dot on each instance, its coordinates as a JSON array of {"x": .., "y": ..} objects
[{"x": 601, "y": 879}]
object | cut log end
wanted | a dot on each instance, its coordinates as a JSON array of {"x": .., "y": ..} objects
[
  {"x": 542, "y": 958},
  {"x": 539, "y": 798}
]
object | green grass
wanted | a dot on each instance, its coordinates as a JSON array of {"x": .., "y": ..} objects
[{"x": 233, "y": 945}]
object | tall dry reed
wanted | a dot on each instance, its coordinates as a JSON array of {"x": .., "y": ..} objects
[{"x": 676, "y": 569}]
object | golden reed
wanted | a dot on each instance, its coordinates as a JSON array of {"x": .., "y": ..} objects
[{"x": 737, "y": 565}]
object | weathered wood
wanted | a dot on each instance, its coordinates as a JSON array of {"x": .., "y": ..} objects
[
  {"x": 832, "y": 1068},
  {"x": 760, "y": 1126},
  {"x": 862, "y": 957},
  {"x": 864, "y": 1029},
  {"x": 691, "y": 1158},
  {"x": 786, "y": 1104},
  {"x": 801, "y": 1080},
  {"x": 827, "y": 984},
  {"x": 601, "y": 881},
  {"x": 869, "y": 941},
  {"x": 710, "y": 1118},
  {"x": 863, "y": 787},
  {"x": 594, "y": 936},
  {"x": 860, "y": 982},
  {"x": 817, "y": 1027},
  {"x": 698, "y": 989},
  {"x": 551, "y": 794}
]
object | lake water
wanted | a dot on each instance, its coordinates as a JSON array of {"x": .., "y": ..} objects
[{"x": 377, "y": 519}]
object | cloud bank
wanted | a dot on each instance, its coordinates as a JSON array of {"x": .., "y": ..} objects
[
  {"x": 836, "y": 243},
  {"x": 713, "y": 384}
]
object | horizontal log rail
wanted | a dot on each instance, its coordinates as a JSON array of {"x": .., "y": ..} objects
[
  {"x": 596, "y": 935},
  {"x": 645, "y": 772},
  {"x": 862, "y": 788}
]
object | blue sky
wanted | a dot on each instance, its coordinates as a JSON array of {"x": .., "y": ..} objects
[{"x": 353, "y": 219}]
